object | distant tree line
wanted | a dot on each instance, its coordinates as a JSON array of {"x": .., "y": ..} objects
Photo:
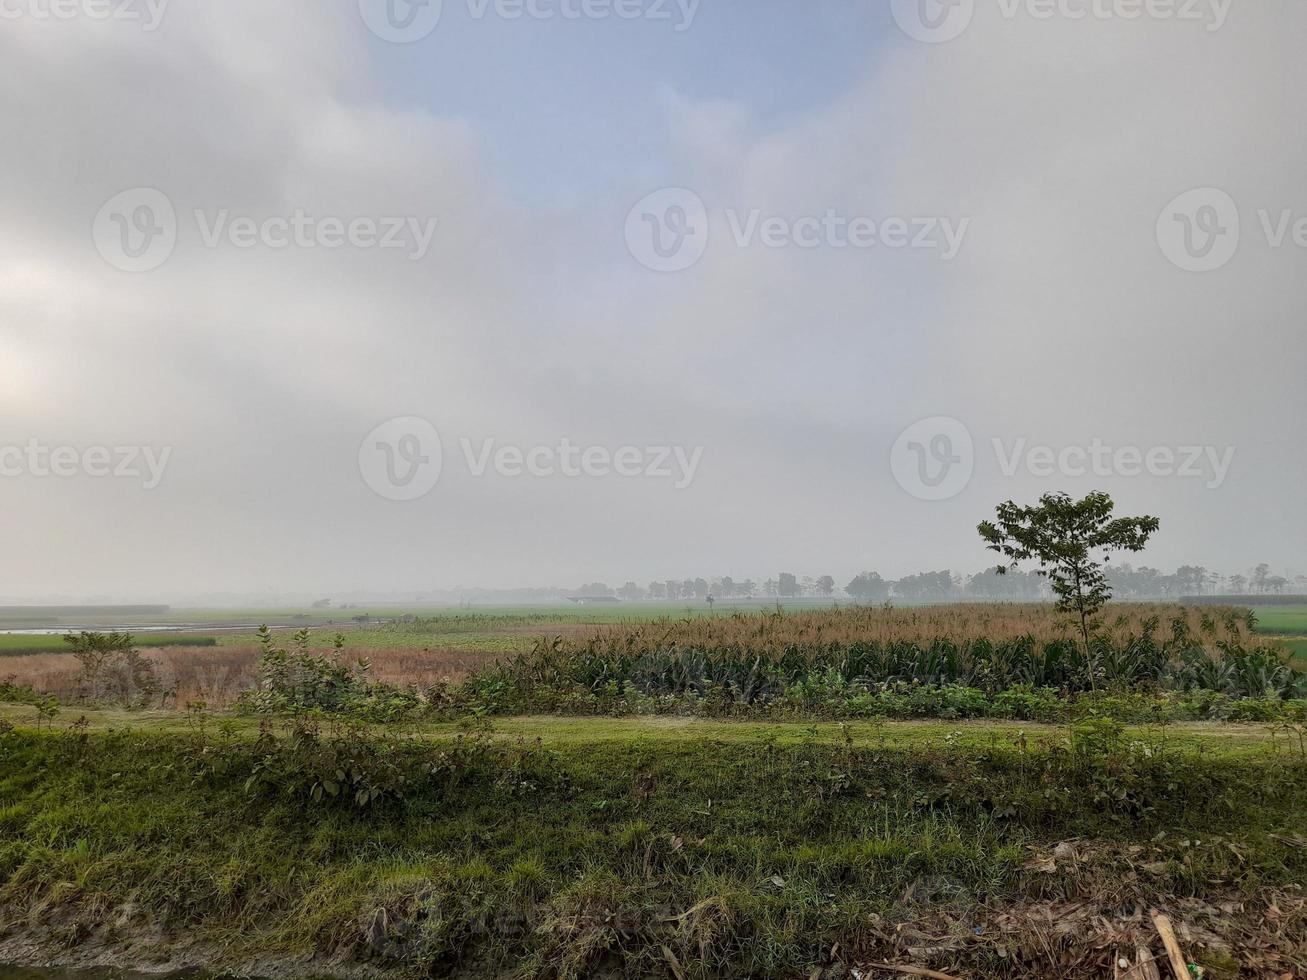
[{"x": 1126, "y": 582}]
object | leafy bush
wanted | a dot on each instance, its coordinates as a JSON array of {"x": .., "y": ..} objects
[
  {"x": 349, "y": 767},
  {"x": 1025, "y": 703},
  {"x": 296, "y": 681},
  {"x": 11, "y": 693},
  {"x": 113, "y": 670}
]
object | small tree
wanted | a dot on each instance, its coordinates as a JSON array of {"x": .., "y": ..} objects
[{"x": 1063, "y": 535}]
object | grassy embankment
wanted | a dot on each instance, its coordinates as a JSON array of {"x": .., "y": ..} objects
[{"x": 659, "y": 847}]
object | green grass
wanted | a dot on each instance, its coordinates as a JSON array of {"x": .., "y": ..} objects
[
  {"x": 621, "y": 846},
  {"x": 1287, "y": 624},
  {"x": 1298, "y": 648},
  {"x": 12, "y": 645},
  {"x": 1289, "y": 620},
  {"x": 1217, "y": 738},
  {"x": 489, "y": 629}
]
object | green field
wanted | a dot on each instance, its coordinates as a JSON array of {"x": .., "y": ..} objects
[
  {"x": 1288, "y": 624},
  {"x": 12, "y": 645},
  {"x": 504, "y": 629},
  {"x": 498, "y": 629},
  {"x": 54, "y": 617},
  {"x": 1289, "y": 620},
  {"x": 489, "y": 629}
]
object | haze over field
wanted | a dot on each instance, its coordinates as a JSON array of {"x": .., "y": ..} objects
[{"x": 979, "y": 232}]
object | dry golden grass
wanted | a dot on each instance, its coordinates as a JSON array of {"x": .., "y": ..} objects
[{"x": 219, "y": 675}]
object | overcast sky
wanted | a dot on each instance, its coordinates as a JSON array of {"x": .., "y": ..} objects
[{"x": 327, "y": 295}]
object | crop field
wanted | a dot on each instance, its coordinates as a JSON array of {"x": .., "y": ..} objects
[{"x": 427, "y": 647}]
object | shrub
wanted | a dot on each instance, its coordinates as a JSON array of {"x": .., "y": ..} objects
[
  {"x": 1026, "y": 703},
  {"x": 113, "y": 670},
  {"x": 294, "y": 680},
  {"x": 12, "y": 693}
]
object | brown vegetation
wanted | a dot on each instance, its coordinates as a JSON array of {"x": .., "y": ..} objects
[{"x": 219, "y": 675}]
